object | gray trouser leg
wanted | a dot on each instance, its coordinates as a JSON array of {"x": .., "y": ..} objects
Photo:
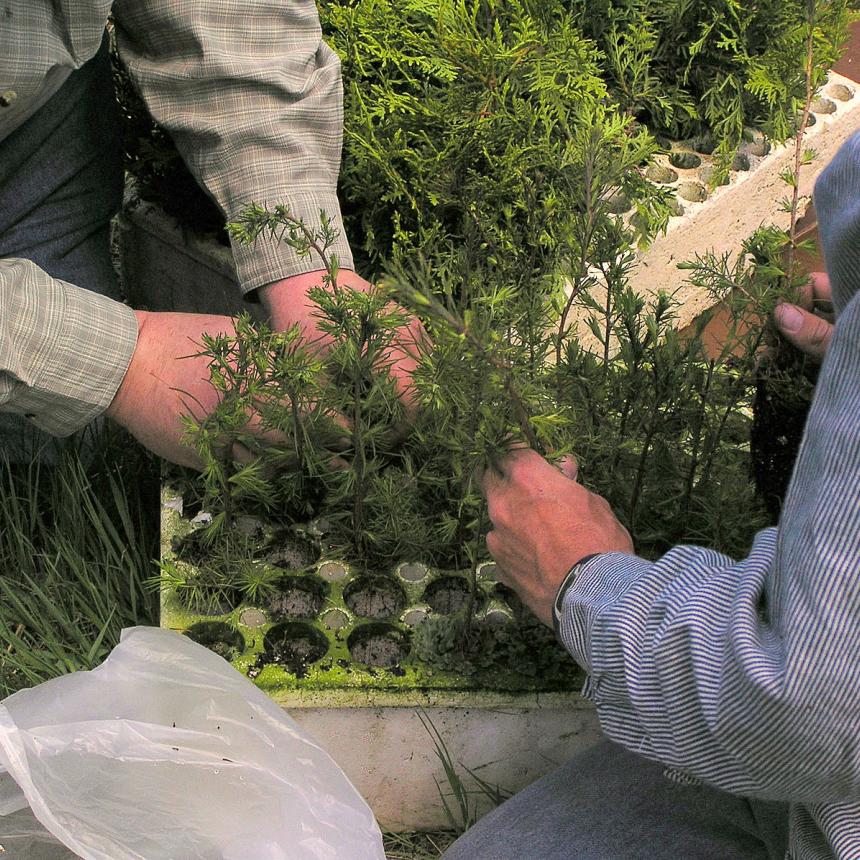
[
  {"x": 607, "y": 804},
  {"x": 61, "y": 181},
  {"x": 60, "y": 184}
]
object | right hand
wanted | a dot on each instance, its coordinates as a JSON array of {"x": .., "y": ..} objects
[
  {"x": 166, "y": 380},
  {"x": 543, "y": 522},
  {"x": 807, "y": 327}
]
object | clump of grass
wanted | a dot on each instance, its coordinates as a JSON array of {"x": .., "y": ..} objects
[
  {"x": 458, "y": 800},
  {"x": 417, "y": 846},
  {"x": 78, "y": 534}
]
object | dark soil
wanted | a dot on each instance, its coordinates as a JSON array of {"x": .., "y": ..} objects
[
  {"x": 219, "y": 637},
  {"x": 374, "y": 597},
  {"x": 294, "y": 646},
  {"x": 298, "y": 597},
  {"x": 380, "y": 645},
  {"x": 290, "y": 551},
  {"x": 284, "y": 548},
  {"x": 191, "y": 548},
  {"x": 782, "y": 399},
  {"x": 449, "y": 594}
]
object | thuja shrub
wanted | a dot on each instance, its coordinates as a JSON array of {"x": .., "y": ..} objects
[
  {"x": 714, "y": 66},
  {"x": 460, "y": 118},
  {"x": 441, "y": 94}
]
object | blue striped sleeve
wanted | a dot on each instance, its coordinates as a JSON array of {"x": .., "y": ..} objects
[{"x": 747, "y": 673}]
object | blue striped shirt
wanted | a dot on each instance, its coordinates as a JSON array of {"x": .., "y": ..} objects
[{"x": 746, "y": 674}]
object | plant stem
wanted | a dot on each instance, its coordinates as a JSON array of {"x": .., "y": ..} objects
[
  {"x": 798, "y": 144},
  {"x": 697, "y": 442},
  {"x": 737, "y": 391},
  {"x": 636, "y": 492},
  {"x": 581, "y": 277},
  {"x": 359, "y": 464},
  {"x": 474, "y": 552},
  {"x": 298, "y": 432}
]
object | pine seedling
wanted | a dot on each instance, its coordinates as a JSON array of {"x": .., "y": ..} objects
[
  {"x": 360, "y": 329},
  {"x": 256, "y": 581},
  {"x": 203, "y": 589}
]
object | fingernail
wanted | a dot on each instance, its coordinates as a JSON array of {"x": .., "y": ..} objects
[{"x": 789, "y": 317}]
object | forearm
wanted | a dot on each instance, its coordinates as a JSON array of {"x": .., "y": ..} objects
[
  {"x": 253, "y": 98},
  {"x": 63, "y": 351}
]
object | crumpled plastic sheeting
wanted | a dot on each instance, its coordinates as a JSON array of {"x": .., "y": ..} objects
[
  {"x": 22, "y": 837},
  {"x": 165, "y": 752}
]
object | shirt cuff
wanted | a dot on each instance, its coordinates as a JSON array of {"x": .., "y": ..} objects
[
  {"x": 269, "y": 259},
  {"x": 599, "y": 582},
  {"x": 566, "y": 584},
  {"x": 86, "y": 350}
]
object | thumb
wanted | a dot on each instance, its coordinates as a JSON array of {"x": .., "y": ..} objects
[
  {"x": 807, "y": 332},
  {"x": 568, "y": 467}
]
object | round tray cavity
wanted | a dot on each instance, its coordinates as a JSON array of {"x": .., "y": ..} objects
[
  {"x": 374, "y": 597},
  {"x": 290, "y": 551},
  {"x": 217, "y": 636},
  {"x": 298, "y": 597},
  {"x": 450, "y": 594},
  {"x": 294, "y": 645},
  {"x": 378, "y": 644}
]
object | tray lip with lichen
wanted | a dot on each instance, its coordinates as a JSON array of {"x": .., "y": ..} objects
[{"x": 349, "y": 683}]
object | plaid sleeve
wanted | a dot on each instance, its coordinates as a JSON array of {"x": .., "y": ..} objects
[
  {"x": 253, "y": 98},
  {"x": 63, "y": 350}
]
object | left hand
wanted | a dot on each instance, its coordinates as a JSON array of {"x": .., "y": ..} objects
[
  {"x": 287, "y": 303},
  {"x": 809, "y": 323},
  {"x": 544, "y": 522}
]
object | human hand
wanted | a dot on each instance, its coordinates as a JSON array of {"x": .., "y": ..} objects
[
  {"x": 166, "y": 380},
  {"x": 544, "y": 522},
  {"x": 288, "y": 304},
  {"x": 806, "y": 326}
]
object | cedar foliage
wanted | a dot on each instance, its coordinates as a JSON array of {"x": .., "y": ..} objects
[{"x": 719, "y": 65}]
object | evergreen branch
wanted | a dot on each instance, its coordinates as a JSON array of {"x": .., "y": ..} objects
[{"x": 429, "y": 304}]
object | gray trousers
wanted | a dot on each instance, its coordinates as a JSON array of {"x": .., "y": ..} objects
[
  {"x": 608, "y": 804},
  {"x": 61, "y": 183}
]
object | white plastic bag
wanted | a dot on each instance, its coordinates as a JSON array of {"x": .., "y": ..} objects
[{"x": 165, "y": 752}]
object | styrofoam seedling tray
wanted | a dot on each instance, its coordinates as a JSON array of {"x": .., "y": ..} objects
[
  {"x": 688, "y": 167},
  {"x": 343, "y": 644}
]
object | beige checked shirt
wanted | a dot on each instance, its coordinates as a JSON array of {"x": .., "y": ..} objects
[{"x": 252, "y": 97}]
